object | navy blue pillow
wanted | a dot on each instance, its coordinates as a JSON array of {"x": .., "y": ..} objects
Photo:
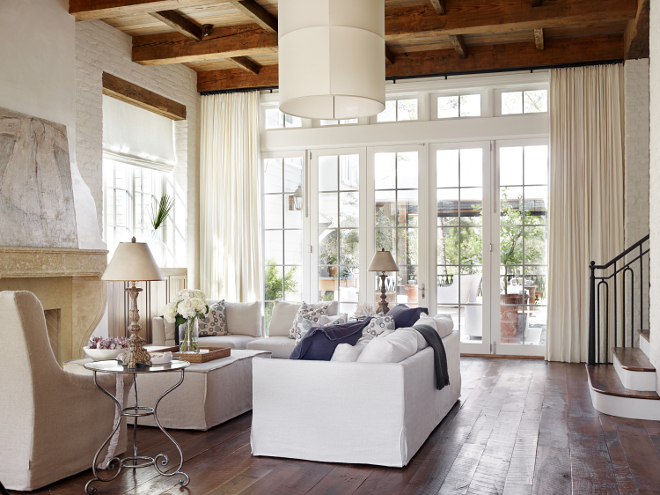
[
  {"x": 320, "y": 342},
  {"x": 404, "y": 316}
]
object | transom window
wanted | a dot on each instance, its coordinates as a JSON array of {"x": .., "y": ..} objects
[
  {"x": 278, "y": 120},
  {"x": 459, "y": 106},
  {"x": 338, "y": 122},
  {"x": 399, "y": 110},
  {"x": 516, "y": 102}
]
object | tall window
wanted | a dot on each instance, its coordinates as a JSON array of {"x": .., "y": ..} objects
[
  {"x": 397, "y": 221},
  {"x": 339, "y": 236},
  {"x": 283, "y": 237}
]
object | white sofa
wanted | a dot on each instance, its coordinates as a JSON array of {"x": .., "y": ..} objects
[
  {"x": 245, "y": 323},
  {"x": 350, "y": 412},
  {"x": 278, "y": 342}
]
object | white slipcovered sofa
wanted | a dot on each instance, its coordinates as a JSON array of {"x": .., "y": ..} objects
[
  {"x": 245, "y": 323},
  {"x": 278, "y": 341},
  {"x": 350, "y": 412}
]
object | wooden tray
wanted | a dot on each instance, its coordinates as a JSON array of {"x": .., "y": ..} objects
[{"x": 202, "y": 357}]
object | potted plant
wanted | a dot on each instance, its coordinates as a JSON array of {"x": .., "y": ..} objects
[{"x": 158, "y": 217}]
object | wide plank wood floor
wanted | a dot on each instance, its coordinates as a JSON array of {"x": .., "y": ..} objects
[{"x": 521, "y": 427}]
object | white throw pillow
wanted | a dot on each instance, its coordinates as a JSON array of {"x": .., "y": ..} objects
[
  {"x": 441, "y": 323},
  {"x": 307, "y": 317},
  {"x": 244, "y": 318},
  {"x": 378, "y": 325},
  {"x": 392, "y": 348},
  {"x": 304, "y": 325},
  {"x": 348, "y": 353},
  {"x": 215, "y": 323}
]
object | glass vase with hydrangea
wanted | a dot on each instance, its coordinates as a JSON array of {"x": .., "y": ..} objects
[{"x": 188, "y": 306}]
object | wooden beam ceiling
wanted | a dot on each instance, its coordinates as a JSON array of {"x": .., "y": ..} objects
[
  {"x": 180, "y": 23},
  {"x": 390, "y": 56},
  {"x": 539, "y": 41},
  {"x": 636, "y": 38},
  {"x": 536, "y": 3},
  {"x": 247, "y": 65},
  {"x": 257, "y": 13},
  {"x": 439, "y": 6},
  {"x": 85, "y": 10},
  {"x": 405, "y": 25},
  {"x": 459, "y": 45},
  {"x": 141, "y": 97},
  {"x": 482, "y": 58}
]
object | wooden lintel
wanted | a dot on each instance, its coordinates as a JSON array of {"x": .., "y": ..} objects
[
  {"x": 459, "y": 45},
  {"x": 180, "y": 23},
  {"x": 539, "y": 41},
  {"x": 85, "y": 10},
  {"x": 143, "y": 98},
  {"x": 439, "y": 6},
  {"x": 482, "y": 58},
  {"x": 390, "y": 56},
  {"x": 247, "y": 65},
  {"x": 257, "y": 13},
  {"x": 636, "y": 37},
  {"x": 536, "y": 3}
]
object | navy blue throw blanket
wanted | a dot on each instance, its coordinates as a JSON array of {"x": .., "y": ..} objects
[{"x": 439, "y": 355}]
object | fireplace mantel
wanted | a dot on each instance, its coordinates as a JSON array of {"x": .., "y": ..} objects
[{"x": 65, "y": 279}]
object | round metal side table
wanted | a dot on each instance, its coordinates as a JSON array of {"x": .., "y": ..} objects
[{"x": 137, "y": 461}]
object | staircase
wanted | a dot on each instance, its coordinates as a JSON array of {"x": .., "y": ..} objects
[{"x": 621, "y": 376}]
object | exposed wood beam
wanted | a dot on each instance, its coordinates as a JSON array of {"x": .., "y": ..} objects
[
  {"x": 444, "y": 62},
  {"x": 226, "y": 42},
  {"x": 143, "y": 98},
  {"x": 536, "y": 3},
  {"x": 180, "y": 23},
  {"x": 459, "y": 45},
  {"x": 247, "y": 65},
  {"x": 636, "y": 37},
  {"x": 85, "y": 10},
  {"x": 439, "y": 6},
  {"x": 257, "y": 13},
  {"x": 390, "y": 56},
  {"x": 419, "y": 25},
  {"x": 539, "y": 41}
]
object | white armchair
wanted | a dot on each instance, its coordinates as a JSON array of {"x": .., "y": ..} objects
[
  {"x": 53, "y": 421},
  {"x": 469, "y": 290}
]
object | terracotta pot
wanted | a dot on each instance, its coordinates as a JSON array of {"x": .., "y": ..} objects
[
  {"x": 510, "y": 327},
  {"x": 332, "y": 271},
  {"x": 411, "y": 293}
]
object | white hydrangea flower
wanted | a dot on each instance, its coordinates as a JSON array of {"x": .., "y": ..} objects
[
  {"x": 170, "y": 312},
  {"x": 199, "y": 304},
  {"x": 187, "y": 310}
]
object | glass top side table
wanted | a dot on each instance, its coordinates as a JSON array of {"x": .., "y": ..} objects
[{"x": 136, "y": 461}]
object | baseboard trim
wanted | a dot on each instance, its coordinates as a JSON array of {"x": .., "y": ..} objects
[{"x": 502, "y": 356}]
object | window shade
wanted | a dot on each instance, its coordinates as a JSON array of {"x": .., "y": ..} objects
[{"x": 136, "y": 136}]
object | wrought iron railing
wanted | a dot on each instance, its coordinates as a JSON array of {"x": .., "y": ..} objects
[{"x": 608, "y": 317}]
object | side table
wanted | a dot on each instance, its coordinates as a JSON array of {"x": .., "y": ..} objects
[{"x": 137, "y": 461}]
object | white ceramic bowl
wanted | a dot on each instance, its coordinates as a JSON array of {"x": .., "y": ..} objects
[{"x": 103, "y": 354}]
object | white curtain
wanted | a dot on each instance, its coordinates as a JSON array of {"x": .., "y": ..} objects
[
  {"x": 230, "y": 200},
  {"x": 586, "y": 197}
]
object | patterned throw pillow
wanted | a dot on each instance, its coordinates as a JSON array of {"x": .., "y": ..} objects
[
  {"x": 307, "y": 312},
  {"x": 215, "y": 323},
  {"x": 378, "y": 325},
  {"x": 305, "y": 325}
]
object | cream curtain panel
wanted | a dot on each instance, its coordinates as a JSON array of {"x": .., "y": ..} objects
[
  {"x": 230, "y": 200},
  {"x": 586, "y": 197}
]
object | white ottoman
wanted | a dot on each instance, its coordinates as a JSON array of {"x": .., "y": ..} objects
[{"x": 210, "y": 394}]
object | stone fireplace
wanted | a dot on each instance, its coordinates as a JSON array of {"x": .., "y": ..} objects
[{"x": 68, "y": 284}]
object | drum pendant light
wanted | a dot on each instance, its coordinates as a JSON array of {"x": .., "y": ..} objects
[{"x": 331, "y": 58}]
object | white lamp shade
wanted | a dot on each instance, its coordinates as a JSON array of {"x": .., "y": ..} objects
[
  {"x": 331, "y": 58},
  {"x": 132, "y": 261},
  {"x": 383, "y": 262}
]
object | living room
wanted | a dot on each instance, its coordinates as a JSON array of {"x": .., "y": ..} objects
[{"x": 423, "y": 217}]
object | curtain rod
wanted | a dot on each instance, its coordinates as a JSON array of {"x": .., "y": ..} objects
[{"x": 440, "y": 74}]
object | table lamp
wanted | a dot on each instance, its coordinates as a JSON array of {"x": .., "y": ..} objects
[
  {"x": 383, "y": 262},
  {"x": 133, "y": 262}
]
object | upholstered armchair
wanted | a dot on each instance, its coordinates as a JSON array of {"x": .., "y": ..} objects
[{"x": 51, "y": 422}]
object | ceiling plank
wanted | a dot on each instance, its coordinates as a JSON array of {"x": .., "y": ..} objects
[
  {"x": 439, "y": 6},
  {"x": 539, "y": 41},
  {"x": 180, "y": 23},
  {"x": 409, "y": 25},
  {"x": 85, "y": 10},
  {"x": 536, "y": 3},
  {"x": 390, "y": 56},
  {"x": 142, "y": 98},
  {"x": 222, "y": 43},
  {"x": 636, "y": 37},
  {"x": 257, "y": 13},
  {"x": 247, "y": 65},
  {"x": 444, "y": 62},
  {"x": 459, "y": 45}
]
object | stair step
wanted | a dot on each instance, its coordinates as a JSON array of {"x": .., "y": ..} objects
[
  {"x": 633, "y": 359},
  {"x": 646, "y": 334},
  {"x": 604, "y": 380}
]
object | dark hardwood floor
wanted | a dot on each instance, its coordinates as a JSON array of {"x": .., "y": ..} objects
[{"x": 521, "y": 427}]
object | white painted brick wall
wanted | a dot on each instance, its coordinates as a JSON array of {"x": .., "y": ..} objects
[
  {"x": 654, "y": 189},
  {"x": 636, "y": 90},
  {"x": 102, "y": 48}
]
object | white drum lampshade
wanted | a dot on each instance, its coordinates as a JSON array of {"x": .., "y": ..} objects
[{"x": 331, "y": 58}]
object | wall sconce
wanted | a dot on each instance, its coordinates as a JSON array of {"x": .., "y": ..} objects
[{"x": 296, "y": 199}]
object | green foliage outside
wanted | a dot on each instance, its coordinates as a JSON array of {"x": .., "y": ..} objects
[{"x": 276, "y": 286}]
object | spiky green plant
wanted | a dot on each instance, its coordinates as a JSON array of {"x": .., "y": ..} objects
[{"x": 159, "y": 216}]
